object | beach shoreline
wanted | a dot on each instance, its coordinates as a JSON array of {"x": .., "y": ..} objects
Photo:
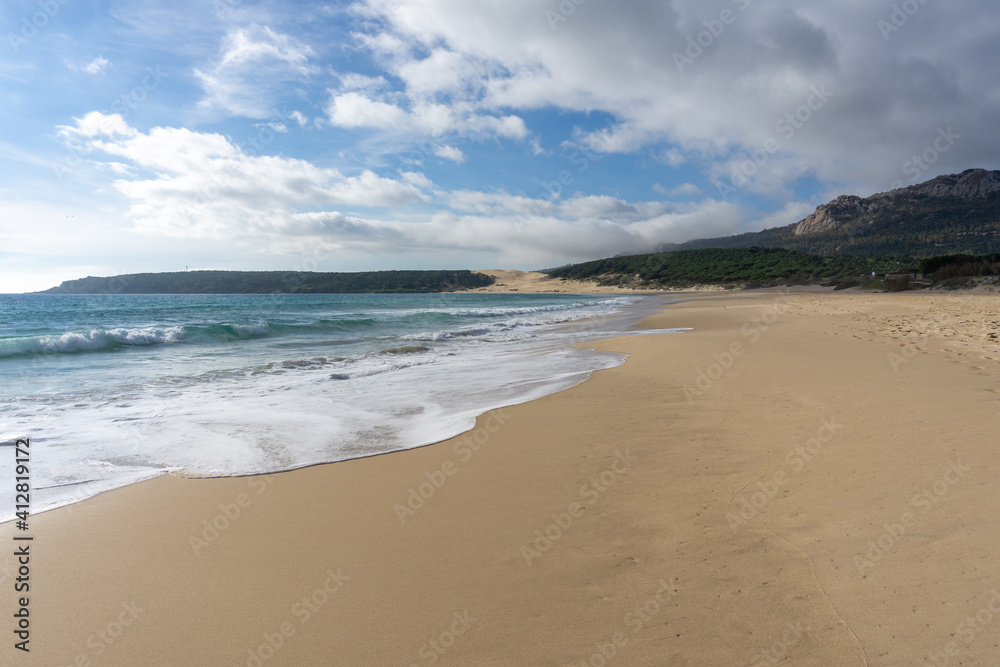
[
  {"x": 710, "y": 501},
  {"x": 265, "y": 399}
]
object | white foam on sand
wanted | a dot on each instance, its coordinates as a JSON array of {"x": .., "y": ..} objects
[{"x": 297, "y": 414}]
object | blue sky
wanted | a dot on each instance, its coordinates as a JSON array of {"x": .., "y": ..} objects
[{"x": 379, "y": 134}]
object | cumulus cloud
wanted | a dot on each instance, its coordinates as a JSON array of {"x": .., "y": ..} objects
[
  {"x": 183, "y": 183},
  {"x": 450, "y": 153},
  {"x": 97, "y": 65},
  {"x": 726, "y": 111},
  {"x": 201, "y": 184},
  {"x": 253, "y": 65},
  {"x": 434, "y": 90},
  {"x": 354, "y": 110},
  {"x": 277, "y": 126},
  {"x": 675, "y": 75},
  {"x": 95, "y": 124}
]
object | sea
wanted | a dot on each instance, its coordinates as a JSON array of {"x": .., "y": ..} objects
[{"x": 114, "y": 389}]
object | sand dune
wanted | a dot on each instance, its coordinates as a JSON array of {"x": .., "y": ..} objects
[{"x": 532, "y": 281}]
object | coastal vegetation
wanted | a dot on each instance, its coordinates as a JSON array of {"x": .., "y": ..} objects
[
  {"x": 734, "y": 267},
  {"x": 765, "y": 267}
]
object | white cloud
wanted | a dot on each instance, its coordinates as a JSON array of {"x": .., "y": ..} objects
[
  {"x": 260, "y": 44},
  {"x": 200, "y": 184},
  {"x": 619, "y": 58},
  {"x": 354, "y": 110},
  {"x": 419, "y": 180},
  {"x": 522, "y": 229},
  {"x": 542, "y": 233},
  {"x": 96, "y": 124},
  {"x": 450, "y": 153},
  {"x": 362, "y": 82},
  {"x": 97, "y": 65},
  {"x": 673, "y": 157},
  {"x": 759, "y": 172},
  {"x": 277, "y": 126},
  {"x": 254, "y": 65},
  {"x": 791, "y": 212},
  {"x": 437, "y": 91},
  {"x": 182, "y": 183}
]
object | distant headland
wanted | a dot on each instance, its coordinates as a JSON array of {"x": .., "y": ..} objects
[{"x": 275, "y": 282}]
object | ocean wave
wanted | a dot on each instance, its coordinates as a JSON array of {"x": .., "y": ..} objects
[
  {"x": 88, "y": 341},
  {"x": 507, "y": 311},
  {"x": 406, "y": 349},
  {"x": 227, "y": 331},
  {"x": 543, "y": 316},
  {"x": 443, "y": 322},
  {"x": 108, "y": 340}
]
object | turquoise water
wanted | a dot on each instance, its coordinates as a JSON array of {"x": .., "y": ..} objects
[{"x": 117, "y": 388}]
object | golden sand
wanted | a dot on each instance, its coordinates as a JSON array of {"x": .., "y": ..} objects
[{"x": 808, "y": 478}]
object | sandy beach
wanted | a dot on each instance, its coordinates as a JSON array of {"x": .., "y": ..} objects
[
  {"x": 802, "y": 479},
  {"x": 535, "y": 282}
]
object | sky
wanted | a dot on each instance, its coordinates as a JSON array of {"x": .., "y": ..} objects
[{"x": 424, "y": 134}]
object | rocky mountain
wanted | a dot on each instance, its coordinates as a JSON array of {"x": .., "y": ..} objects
[
  {"x": 841, "y": 211},
  {"x": 848, "y": 210},
  {"x": 958, "y": 213},
  {"x": 970, "y": 184}
]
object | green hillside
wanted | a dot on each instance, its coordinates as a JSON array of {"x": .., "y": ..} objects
[{"x": 750, "y": 267}]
